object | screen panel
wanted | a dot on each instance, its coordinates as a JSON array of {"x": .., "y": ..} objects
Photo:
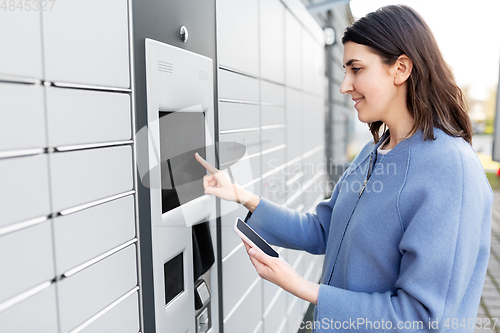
[{"x": 182, "y": 134}]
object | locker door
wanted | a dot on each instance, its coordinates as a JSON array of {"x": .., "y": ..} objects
[
  {"x": 21, "y": 54},
  {"x": 86, "y": 42}
]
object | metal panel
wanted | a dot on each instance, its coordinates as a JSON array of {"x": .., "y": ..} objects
[
  {"x": 238, "y": 275},
  {"x": 296, "y": 314},
  {"x": 36, "y": 314},
  {"x": 272, "y": 93},
  {"x": 83, "y": 176},
  {"x": 82, "y": 117},
  {"x": 272, "y": 138},
  {"x": 25, "y": 185},
  {"x": 234, "y": 116},
  {"x": 229, "y": 238},
  {"x": 307, "y": 61},
  {"x": 86, "y": 293},
  {"x": 22, "y": 119},
  {"x": 123, "y": 318},
  {"x": 251, "y": 140},
  {"x": 26, "y": 261},
  {"x": 272, "y": 161},
  {"x": 248, "y": 314},
  {"x": 238, "y": 87},
  {"x": 21, "y": 42},
  {"x": 293, "y": 54},
  {"x": 276, "y": 314},
  {"x": 294, "y": 130},
  {"x": 272, "y": 40},
  {"x": 238, "y": 35},
  {"x": 86, "y": 42},
  {"x": 273, "y": 116},
  {"x": 84, "y": 235}
]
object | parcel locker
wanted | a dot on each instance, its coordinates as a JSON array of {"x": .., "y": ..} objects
[
  {"x": 21, "y": 56},
  {"x": 85, "y": 37},
  {"x": 122, "y": 318},
  {"x": 104, "y": 227},
  {"x": 272, "y": 40},
  {"x": 272, "y": 93},
  {"x": 26, "y": 260},
  {"x": 238, "y": 35},
  {"x": 22, "y": 120},
  {"x": 238, "y": 117},
  {"x": 307, "y": 58},
  {"x": 293, "y": 57},
  {"x": 27, "y": 179},
  {"x": 80, "y": 117},
  {"x": 83, "y": 176},
  {"x": 274, "y": 306},
  {"x": 239, "y": 276},
  {"x": 294, "y": 132},
  {"x": 89, "y": 291},
  {"x": 40, "y": 308},
  {"x": 236, "y": 87}
]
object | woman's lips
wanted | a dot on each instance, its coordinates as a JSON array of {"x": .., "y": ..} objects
[{"x": 357, "y": 100}]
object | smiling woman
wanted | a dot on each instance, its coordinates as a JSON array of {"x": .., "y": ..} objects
[
  {"x": 378, "y": 90},
  {"x": 431, "y": 95}
]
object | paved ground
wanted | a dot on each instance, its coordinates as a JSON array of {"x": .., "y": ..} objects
[{"x": 490, "y": 301}]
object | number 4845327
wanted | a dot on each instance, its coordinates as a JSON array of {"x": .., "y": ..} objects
[
  {"x": 485, "y": 323},
  {"x": 27, "y": 5}
]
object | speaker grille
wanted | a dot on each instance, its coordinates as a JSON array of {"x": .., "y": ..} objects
[
  {"x": 164, "y": 66},
  {"x": 203, "y": 75}
]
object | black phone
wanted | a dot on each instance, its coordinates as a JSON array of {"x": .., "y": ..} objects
[{"x": 252, "y": 238}]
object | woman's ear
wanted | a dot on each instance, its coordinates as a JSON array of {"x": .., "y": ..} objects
[{"x": 403, "y": 69}]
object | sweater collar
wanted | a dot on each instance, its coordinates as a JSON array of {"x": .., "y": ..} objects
[{"x": 403, "y": 145}]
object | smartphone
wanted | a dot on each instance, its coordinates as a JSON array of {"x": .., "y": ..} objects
[{"x": 252, "y": 238}]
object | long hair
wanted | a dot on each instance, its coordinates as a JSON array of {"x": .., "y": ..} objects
[{"x": 433, "y": 97}]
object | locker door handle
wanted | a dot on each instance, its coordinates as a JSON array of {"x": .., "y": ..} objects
[{"x": 190, "y": 213}]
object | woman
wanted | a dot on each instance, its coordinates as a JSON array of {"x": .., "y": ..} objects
[{"x": 406, "y": 231}]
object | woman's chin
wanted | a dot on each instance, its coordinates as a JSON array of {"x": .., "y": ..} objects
[{"x": 363, "y": 119}]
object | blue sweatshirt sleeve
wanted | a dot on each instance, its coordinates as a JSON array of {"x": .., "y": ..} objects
[
  {"x": 445, "y": 213},
  {"x": 288, "y": 228}
]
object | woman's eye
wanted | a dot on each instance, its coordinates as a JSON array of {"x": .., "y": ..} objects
[{"x": 355, "y": 69}]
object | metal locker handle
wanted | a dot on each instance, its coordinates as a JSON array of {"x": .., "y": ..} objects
[{"x": 189, "y": 214}]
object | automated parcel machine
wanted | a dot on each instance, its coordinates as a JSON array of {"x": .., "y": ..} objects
[{"x": 180, "y": 122}]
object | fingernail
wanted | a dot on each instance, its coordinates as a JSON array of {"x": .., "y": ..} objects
[{"x": 251, "y": 252}]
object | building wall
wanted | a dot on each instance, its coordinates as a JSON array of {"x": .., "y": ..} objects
[{"x": 68, "y": 238}]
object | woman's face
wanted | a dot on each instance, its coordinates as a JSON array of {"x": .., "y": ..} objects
[{"x": 370, "y": 82}]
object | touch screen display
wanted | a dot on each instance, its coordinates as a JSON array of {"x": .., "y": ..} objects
[{"x": 181, "y": 135}]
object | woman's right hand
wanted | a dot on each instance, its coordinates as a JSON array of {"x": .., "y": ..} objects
[{"x": 222, "y": 186}]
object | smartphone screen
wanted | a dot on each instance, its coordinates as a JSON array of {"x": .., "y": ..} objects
[{"x": 256, "y": 239}]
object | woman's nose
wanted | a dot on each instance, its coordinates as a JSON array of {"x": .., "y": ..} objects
[{"x": 346, "y": 86}]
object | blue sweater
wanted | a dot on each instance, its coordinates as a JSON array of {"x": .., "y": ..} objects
[{"x": 408, "y": 254}]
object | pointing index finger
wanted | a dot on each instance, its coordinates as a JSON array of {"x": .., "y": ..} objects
[{"x": 205, "y": 164}]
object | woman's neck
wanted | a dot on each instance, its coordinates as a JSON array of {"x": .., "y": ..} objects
[{"x": 399, "y": 128}]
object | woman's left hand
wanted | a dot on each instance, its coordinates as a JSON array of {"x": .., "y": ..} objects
[{"x": 280, "y": 273}]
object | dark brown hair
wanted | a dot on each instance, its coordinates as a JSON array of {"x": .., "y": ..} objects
[{"x": 433, "y": 97}]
